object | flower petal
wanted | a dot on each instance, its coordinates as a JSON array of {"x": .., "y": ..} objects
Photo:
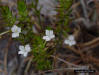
[
  {"x": 25, "y": 54},
  {"x": 47, "y": 32},
  {"x": 73, "y": 42},
  {"x": 21, "y": 48},
  {"x": 14, "y": 28},
  {"x": 46, "y": 38},
  {"x": 71, "y": 37},
  {"x": 70, "y": 44},
  {"x": 14, "y": 35},
  {"x": 19, "y": 29},
  {"x": 20, "y": 52},
  {"x": 66, "y": 41},
  {"x": 52, "y": 36},
  {"x": 51, "y": 32},
  {"x": 27, "y": 48}
]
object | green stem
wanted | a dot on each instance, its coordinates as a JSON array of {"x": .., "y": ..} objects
[{"x": 44, "y": 42}]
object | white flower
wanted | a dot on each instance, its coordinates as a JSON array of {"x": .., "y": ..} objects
[
  {"x": 70, "y": 40},
  {"x": 24, "y": 50},
  {"x": 49, "y": 35},
  {"x": 16, "y": 30}
]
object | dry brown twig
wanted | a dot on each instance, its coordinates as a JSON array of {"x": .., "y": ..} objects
[
  {"x": 90, "y": 44},
  {"x": 6, "y": 54},
  {"x": 85, "y": 58},
  {"x": 75, "y": 5},
  {"x": 27, "y": 67},
  {"x": 70, "y": 64}
]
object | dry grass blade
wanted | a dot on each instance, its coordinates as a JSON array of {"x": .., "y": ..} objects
[{"x": 6, "y": 54}]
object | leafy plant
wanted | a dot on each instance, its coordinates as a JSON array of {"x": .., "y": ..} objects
[
  {"x": 40, "y": 51},
  {"x": 41, "y": 56},
  {"x": 63, "y": 15},
  {"x": 23, "y": 11},
  {"x": 7, "y": 15}
]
